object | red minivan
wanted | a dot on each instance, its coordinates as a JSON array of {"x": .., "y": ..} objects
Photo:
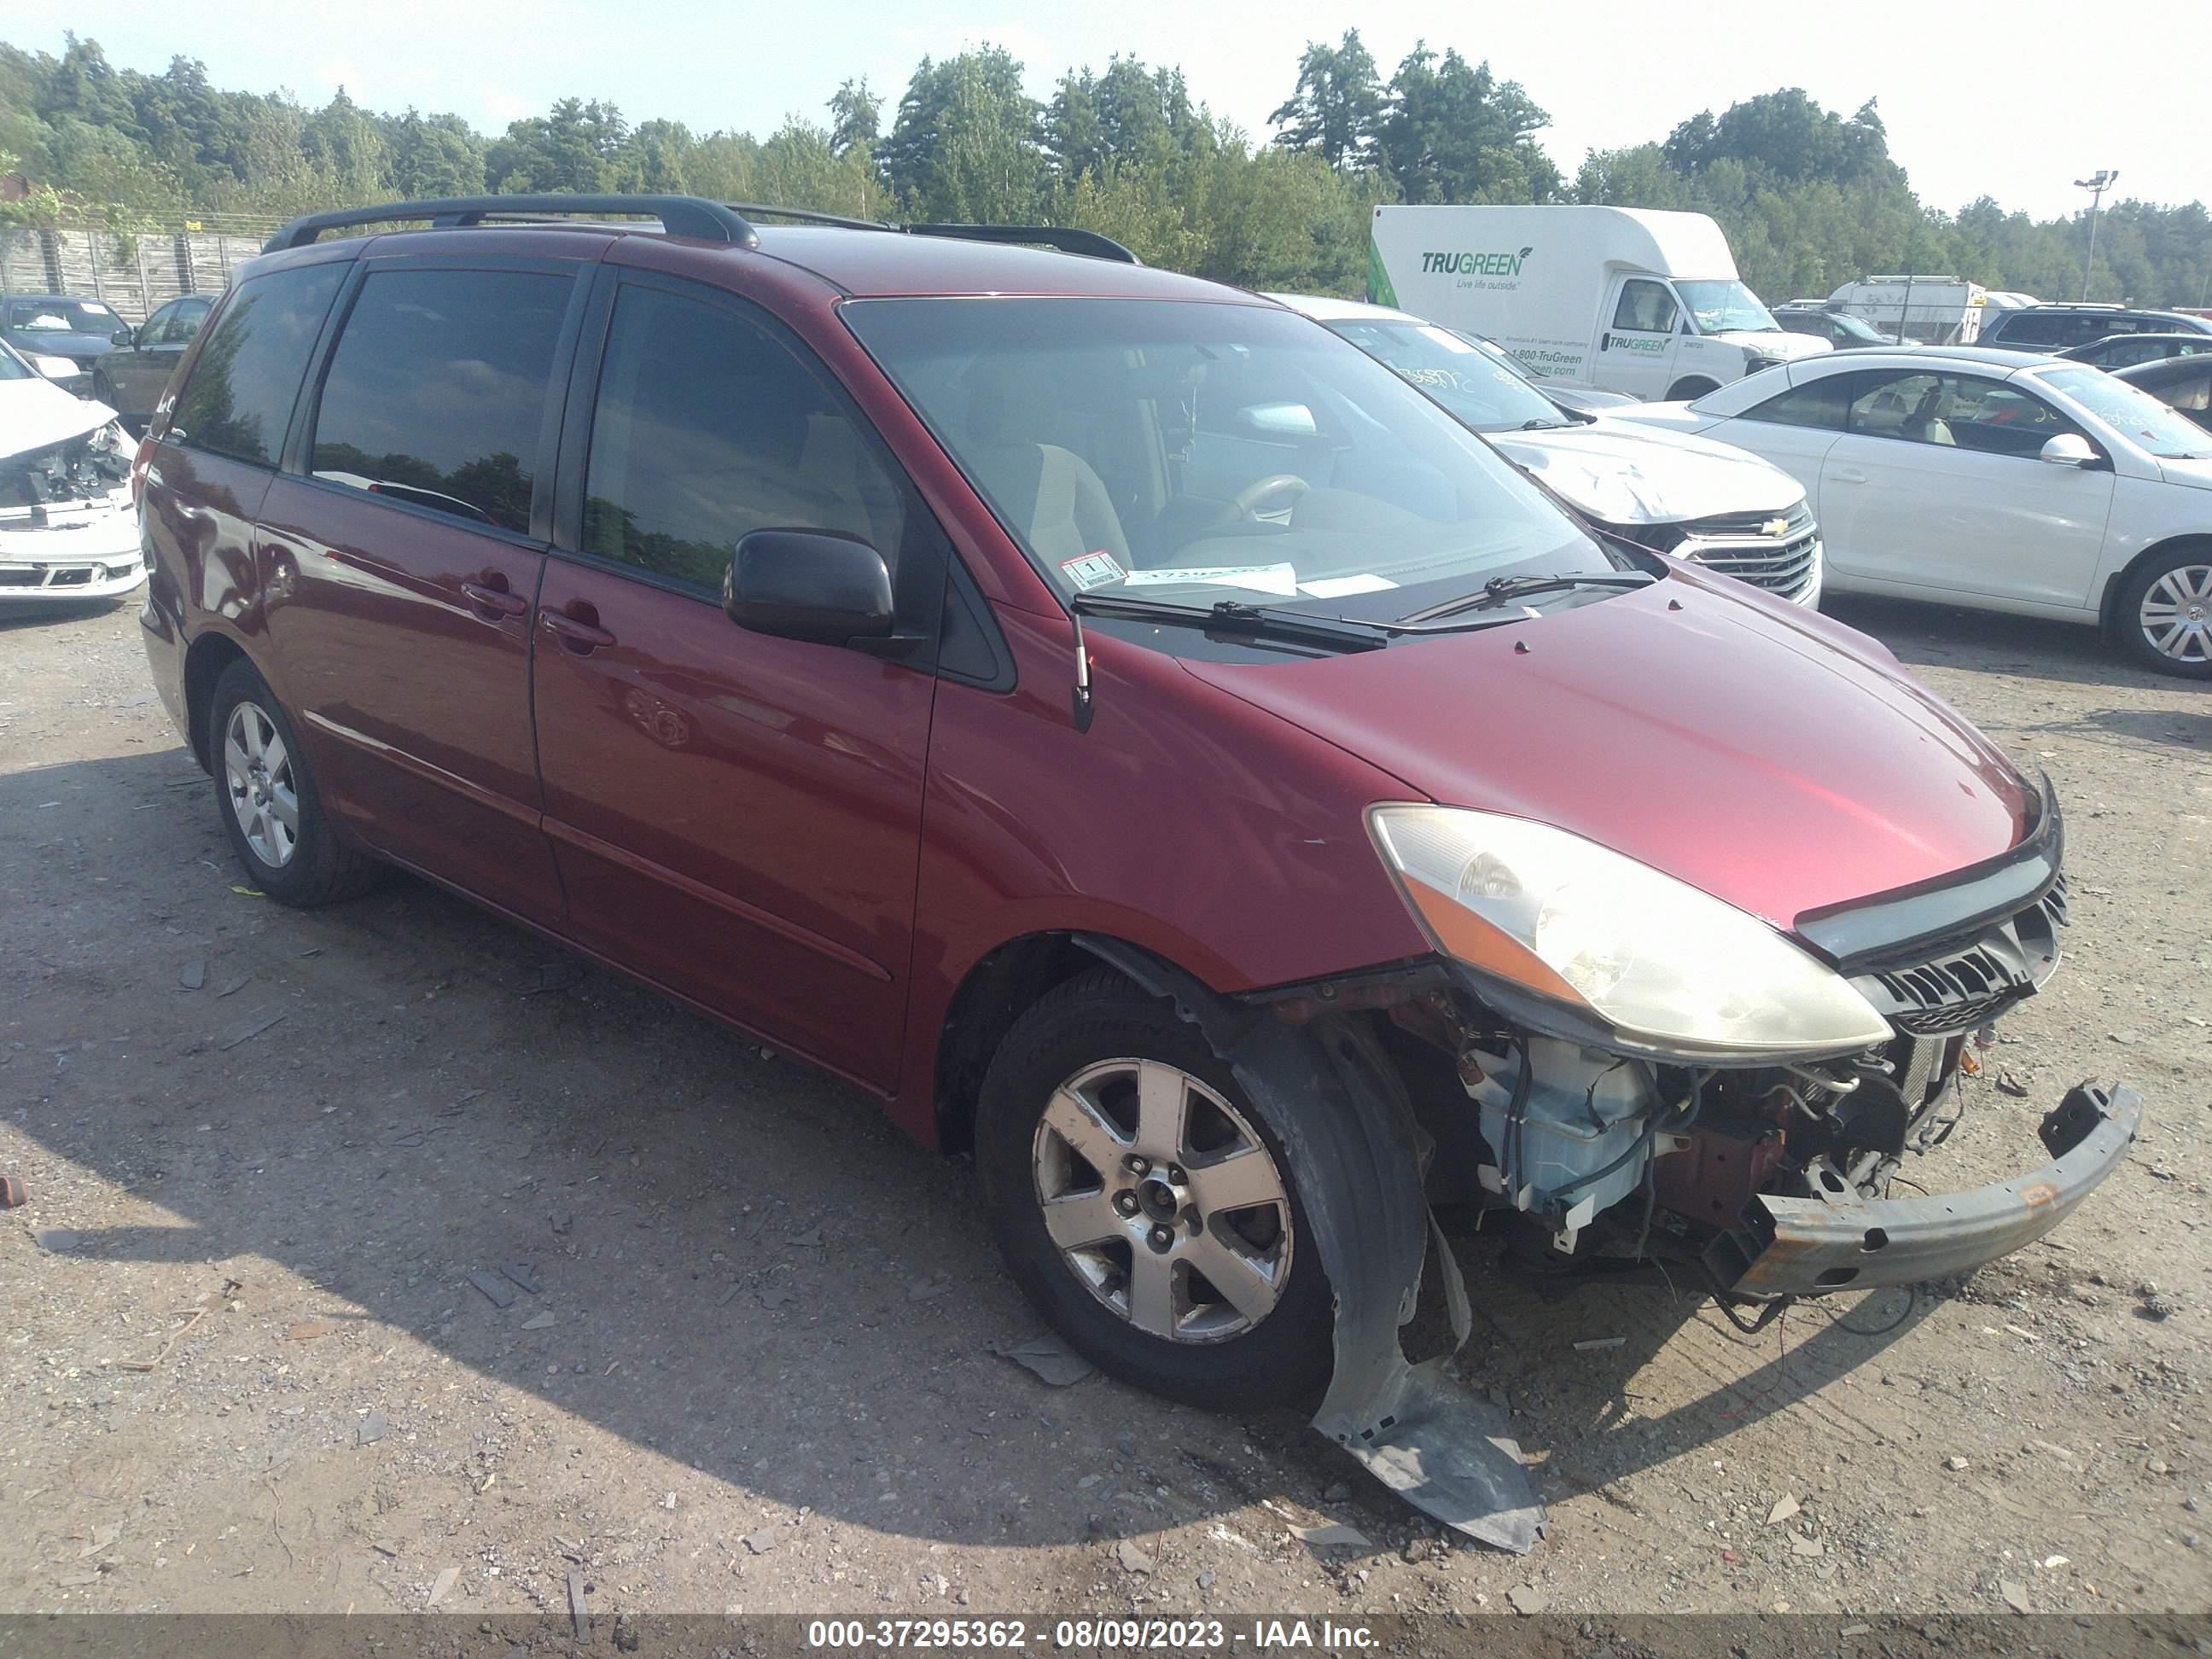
[{"x": 1132, "y": 733}]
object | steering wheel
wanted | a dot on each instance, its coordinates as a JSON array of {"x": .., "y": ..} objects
[{"x": 1248, "y": 498}]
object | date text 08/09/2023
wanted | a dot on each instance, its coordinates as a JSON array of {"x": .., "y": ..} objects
[{"x": 1258, "y": 1635}]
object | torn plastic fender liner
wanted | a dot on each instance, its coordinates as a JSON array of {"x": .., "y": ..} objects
[{"x": 1357, "y": 1172}]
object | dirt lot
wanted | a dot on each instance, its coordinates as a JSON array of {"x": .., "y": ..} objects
[{"x": 242, "y": 1366}]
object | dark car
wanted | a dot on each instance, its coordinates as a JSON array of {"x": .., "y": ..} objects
[
  {"x": 59, "y": 326},
  {"x": 130, "y": 379},
  {"x": 2123, "y": 350},
  {"x": 2057, "y": 328},
  {"x": 2183, "y": 383},
  {"x": 1133, "y": 735},
  {"x": 1839, "y": 328}
]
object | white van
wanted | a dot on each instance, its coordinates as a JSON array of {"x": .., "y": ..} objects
[{"x": 1628, "y": 300}]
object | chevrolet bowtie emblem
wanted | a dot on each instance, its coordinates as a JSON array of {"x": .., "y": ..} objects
[{"x": 1774, "y": 527}]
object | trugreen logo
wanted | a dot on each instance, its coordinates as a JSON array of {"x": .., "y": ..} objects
[{"x": 1474, "y": 264}]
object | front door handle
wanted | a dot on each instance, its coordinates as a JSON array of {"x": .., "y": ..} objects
[
  {"x": 581, "y": 634},
  {"x": 1850, "y": 475},
  {"x": 1604, "y": 341},
  {"x": 497, "y": 599}
]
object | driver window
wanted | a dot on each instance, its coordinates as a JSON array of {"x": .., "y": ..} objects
[
  {"x": 1958, "y": 411},
  {"x": 185, "y": 320},
  {"x": 1645, "y": 307}
]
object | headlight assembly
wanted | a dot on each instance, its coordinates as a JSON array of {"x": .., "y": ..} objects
[{"x": 1673, "y": 969}]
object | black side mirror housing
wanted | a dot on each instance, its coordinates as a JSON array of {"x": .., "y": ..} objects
[
  {"x": 125, "y": 338},
  {"x": 809, "y": 584}
]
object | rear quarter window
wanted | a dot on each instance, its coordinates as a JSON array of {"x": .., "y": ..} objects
[{"x": 238, "y": 400}]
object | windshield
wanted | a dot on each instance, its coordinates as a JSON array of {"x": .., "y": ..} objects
[
  {"x": 1854, "y": 328},
  {"x": 2131, "y": 412},
  {"x": 1196, "y": 452},
  {"x": 12, "y": 368},
  {"x": 1482, "y": 390},
  {"x": 1720, "y": 306},
  {"x": 62, "y": 317}
]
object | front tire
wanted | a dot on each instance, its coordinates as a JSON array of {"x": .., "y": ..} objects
[
  {"x": 267, "y": 800},
  {"x": 2165, "y": 613},
  {"x": 1145, "y": 1206},
  {"x": 1690, "y": 389}
]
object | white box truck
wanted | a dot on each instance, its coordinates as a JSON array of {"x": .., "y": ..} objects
[
  {"x": 1627, "y": 299},
  {"x": 1932, "y": 310}
]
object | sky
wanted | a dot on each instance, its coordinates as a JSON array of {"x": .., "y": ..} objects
[{"x": 1968, "y": 114}]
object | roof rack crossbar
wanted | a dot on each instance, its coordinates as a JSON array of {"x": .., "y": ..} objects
[
  {"x": 1066, "y": 238},
  {"x": 679, "y": 215},
  {"x": 807, "y": 216}
]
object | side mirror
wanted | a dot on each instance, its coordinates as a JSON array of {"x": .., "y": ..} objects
[
  {"x": 2070, "y": 449},
  {"x": 125, "y": 338},
  {"x": 1277, "y": 421},
  {"x": 809, "y": 584}
]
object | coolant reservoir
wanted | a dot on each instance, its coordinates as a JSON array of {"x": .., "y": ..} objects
[{"x": 1584, "y": 1109}]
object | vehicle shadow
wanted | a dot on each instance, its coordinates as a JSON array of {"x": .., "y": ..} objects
[
  {"x": 1991, "y": 642},
  {"x": 38, "y": 613},
  {"x": 749, "y": 1270}
]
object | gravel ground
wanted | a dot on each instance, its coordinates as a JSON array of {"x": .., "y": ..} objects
[{"x": 245, "y": 1366}]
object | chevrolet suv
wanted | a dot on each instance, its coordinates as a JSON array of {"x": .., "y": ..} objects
[{"x": 1132, "y": 734}]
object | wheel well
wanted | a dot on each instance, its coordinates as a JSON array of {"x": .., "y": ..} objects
[
  {"x": 2108, "y": 607},
  {"x": 209, "y": 655},
  {"x": 1690, "y": 385},
  {"x": 996, "y": 993}
]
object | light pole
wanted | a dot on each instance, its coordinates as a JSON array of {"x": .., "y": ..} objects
[{"x": 2096, "y": 184}]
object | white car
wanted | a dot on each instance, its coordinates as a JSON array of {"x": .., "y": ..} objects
[
  {"x": 2004, "y": 480},
  {"x": 67, "y": 530},
  {"x": 1727, "y": 510}
]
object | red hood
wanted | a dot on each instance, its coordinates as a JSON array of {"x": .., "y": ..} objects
[{"x": 1777, "y": 760}]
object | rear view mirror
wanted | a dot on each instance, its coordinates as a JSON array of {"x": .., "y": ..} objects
[
  {"x": 124, "y": 337},
  {"x": 809, "y": 584},
  {"x": 2070, "y": 449},
  {"x": 1277, "y": 421}
]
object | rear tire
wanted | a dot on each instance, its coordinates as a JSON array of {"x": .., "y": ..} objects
[
  {"x": 1166, "y": 1179},
  {"x": 266, "y": 797},
  {"x": 2164, "y": 615}
]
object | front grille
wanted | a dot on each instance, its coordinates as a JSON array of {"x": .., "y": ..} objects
[
  {"x": 1740, "y": 544},
  {"x": 1972, "y": 984}
]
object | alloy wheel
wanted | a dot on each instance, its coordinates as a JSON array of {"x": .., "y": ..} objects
[
  {"x": 263, "y": 792},
  {"x": 1164, "y": 1202},
  {"x": 2176, "y": 614}
]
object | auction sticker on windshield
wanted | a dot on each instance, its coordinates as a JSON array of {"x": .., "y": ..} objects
[{"x": 1090, "y": 570}]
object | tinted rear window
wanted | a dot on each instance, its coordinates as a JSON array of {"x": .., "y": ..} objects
[
  {"x": 239, "y": 399},
  {"x": 437, "y": 390}
]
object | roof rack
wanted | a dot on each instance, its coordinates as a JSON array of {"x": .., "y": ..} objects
[
  {"x": 807, "y": 216},
  {"x": 679, "y": 215},
  {"x": 1066, "y": 238}
]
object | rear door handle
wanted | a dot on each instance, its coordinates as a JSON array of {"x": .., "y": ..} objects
[
  {"x": 1850, "y": 475},
  {"x": 574, "y": 632},
  {"x": 486, "y": 598}
]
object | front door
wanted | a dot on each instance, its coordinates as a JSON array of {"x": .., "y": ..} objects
[
  {"x": 405, "y": 567},
  {"x": 1935, "y": 483},
  {"x": 1636, "y": 347},
  {"x": 736, "y": 817},
  {"x": 136, "y": 374}
]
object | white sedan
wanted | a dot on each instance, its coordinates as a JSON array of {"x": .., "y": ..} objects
[
  {"x": 2000, "y": 479},
  {"x": 67, "y": 530}
]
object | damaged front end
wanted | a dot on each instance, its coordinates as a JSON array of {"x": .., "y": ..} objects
[
  {"x": 67, "y": 530},
  {"x": 1750, "y": 1147}
]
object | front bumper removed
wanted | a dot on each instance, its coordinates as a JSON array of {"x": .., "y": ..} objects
[{"x": 1840, "y": 1241}]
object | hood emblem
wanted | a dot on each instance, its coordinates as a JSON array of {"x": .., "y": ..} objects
[{"x": 1775, "y": 528}]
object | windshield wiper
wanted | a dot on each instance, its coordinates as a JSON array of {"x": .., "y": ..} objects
[
  {"x": 1258, "y": 622},
  {"x": 1502, "y": 589}
]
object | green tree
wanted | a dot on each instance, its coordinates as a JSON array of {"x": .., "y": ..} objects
[
  {"x": 966, "y": 144},
  {"x": 856, "y": 117},
  {"x": 1337, "y": 103},
  {"x": 1452, "y": 132}
]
